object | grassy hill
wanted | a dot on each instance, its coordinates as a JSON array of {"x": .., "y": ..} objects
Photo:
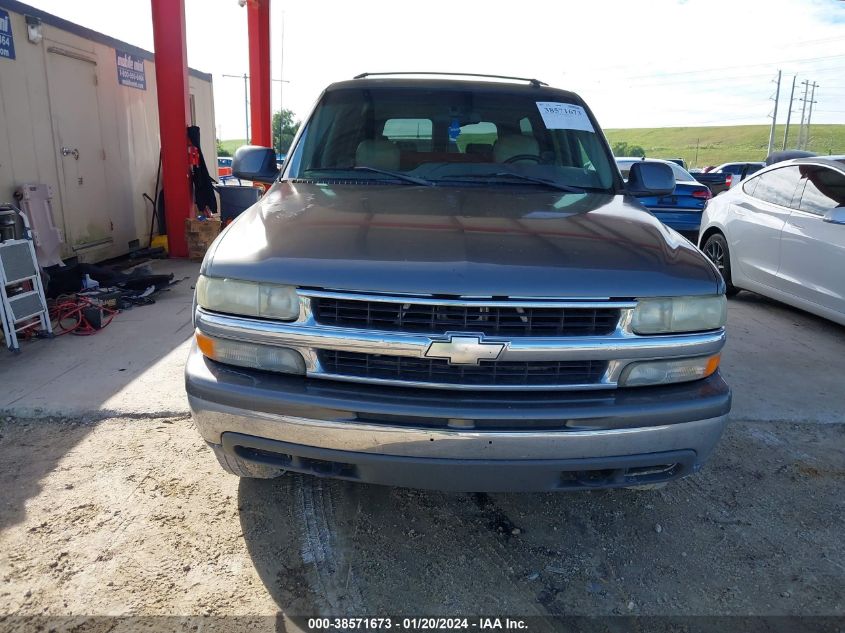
[
  {"x": 718, "y": 145},
  {"x": 233, "y": 144}
]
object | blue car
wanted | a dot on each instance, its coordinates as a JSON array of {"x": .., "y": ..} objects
[{"x": 680, "y": 210}]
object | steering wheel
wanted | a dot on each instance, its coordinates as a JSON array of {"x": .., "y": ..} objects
[{"x": 513, "y": 159}]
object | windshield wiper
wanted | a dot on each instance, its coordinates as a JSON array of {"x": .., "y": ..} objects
[
  {"x": 398, "y": 175},
  {"x": 537, "y": 181}
]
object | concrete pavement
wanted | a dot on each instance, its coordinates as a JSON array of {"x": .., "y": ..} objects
[{"x": 132, "y": 367}]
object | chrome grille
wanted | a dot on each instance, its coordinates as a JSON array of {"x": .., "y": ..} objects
[
  {"x": 439, "y": 318},
  {"x": 487, "y": 373}
]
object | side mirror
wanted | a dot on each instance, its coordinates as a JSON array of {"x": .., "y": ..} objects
[
  {"x": 835, "y": 216},
  {"x": 252, "y": 162},
  {"x": 650, "y": 179}
]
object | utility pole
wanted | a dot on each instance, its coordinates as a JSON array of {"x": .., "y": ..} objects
[
  {"x": 281, "y": 84},
  {"x": 246, "y": 100},
  {"x": 246, "y": 105},
  {"x": 806, "y": 85},
  {"x": 245, "y": 77},
  {"x": 697, "y": 143},
  {"x": 789, "y": 113},
  {"x": 774, "y": 117},
  {"x": 810, "y": 115}
]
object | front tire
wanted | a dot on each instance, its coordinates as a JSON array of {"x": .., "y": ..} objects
[{"x": 716, "y": 249}]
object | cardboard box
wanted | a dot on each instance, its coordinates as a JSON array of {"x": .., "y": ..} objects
[{"x": 200, "y": 234}]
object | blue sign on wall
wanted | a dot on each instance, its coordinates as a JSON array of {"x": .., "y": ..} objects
[
  {"x": 130, "y": 70},
  {"x": 7, "y": 41}
]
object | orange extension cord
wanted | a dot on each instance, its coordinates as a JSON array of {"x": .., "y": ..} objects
[{"x": 67, "y": 317}]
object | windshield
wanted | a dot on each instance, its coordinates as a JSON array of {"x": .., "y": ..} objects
[{"x": 451, "y": 137}]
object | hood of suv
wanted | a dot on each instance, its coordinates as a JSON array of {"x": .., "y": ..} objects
[{"x": 469, "y": 241}]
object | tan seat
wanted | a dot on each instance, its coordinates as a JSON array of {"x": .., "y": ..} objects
[
  {"x": 512, "y": 145},
  {"x": 378, "y": 153}
]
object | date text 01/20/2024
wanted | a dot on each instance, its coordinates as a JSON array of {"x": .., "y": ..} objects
[{"x": 415, "y": 624}]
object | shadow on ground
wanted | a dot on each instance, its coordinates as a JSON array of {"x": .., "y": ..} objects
[
  {"x": 757, "y": 532},
  {"x": 132, "y": 368},
  {"x": 32, "y": 452}
]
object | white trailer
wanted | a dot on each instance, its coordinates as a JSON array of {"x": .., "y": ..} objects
[{"x": 78, "y": 112}]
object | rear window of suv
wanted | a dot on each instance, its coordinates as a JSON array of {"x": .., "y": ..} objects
[
  {"x": 414, "y": 134},
  {"x": 451, "y": 137}
]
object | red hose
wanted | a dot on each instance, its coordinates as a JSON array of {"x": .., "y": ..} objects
[{"x": 67, "y": 317}]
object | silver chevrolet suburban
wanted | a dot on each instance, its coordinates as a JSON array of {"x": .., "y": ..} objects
[{"x": 449, "y": 286}]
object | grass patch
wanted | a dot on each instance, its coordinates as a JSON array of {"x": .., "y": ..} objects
[
  {"x": 723, "y": 144},
  {"x": 233, "y": 144}
]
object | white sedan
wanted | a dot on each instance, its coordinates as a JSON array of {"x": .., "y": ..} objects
[{"x": 781, "y": 233}]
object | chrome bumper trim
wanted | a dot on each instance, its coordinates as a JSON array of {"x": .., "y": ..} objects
[{"x": 214, "y": 419}]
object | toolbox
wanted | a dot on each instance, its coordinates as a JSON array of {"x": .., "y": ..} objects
[{"x": 106, "y": 298}]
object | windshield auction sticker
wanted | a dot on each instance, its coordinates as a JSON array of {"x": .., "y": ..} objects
[{"x": 564, "y": 116}]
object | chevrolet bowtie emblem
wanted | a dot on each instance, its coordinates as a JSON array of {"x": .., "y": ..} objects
[{"x": 464, "y": 350}]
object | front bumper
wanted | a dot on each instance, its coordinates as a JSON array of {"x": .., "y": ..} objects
[{"x": 457, "y": 441}]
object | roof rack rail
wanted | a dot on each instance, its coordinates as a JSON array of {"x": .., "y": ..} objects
[{"x": 534, "y": 82}]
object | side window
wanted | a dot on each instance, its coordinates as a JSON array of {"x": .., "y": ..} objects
[
  {"x": 750, "y": 185},
  {"x": 409, "y": 134},
  {"x": 778, "y": 186},
  {"x": 824, "y": 189}
]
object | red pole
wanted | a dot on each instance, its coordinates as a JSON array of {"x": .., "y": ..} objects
[
  {"x": 258, "y": 22},
  {"x": 171, "y": 66}
]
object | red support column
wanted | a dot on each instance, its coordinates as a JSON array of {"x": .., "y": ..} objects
[
  {"x": 258, "y": 21},
  {"x": 171, "y": 65}
]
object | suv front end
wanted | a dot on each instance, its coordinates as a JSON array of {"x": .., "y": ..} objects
[{"x": 487, "y": 331}]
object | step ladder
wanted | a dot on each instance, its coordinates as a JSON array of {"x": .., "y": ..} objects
[{"x": 21, "y": 310}]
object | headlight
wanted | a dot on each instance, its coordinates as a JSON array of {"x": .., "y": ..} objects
[
  {"x": 664, "y": 372},
  {"x": 247, "y": 298},
  {"x": 252, "y": 355},
  {"x": 679, "y": 314}
]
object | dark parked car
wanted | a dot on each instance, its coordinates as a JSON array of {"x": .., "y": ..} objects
[
  {"x": 716, "y": 183},
  {"x": 723, "y": 177},
  {"x": 738, "y": 171},
  {"x": 449, "y": 286},
  {"x": 680, "y": 209},
  {"x": 788, "y": 154}
]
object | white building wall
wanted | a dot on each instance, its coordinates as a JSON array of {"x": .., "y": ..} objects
[{"x": 128, "y": 123}]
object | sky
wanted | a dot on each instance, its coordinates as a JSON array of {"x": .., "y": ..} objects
[{"x": 661, "y": 63}]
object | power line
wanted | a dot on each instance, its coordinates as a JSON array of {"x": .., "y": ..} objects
[
  {"x": 709, "y": 70},
  {"x": 729, "y": 78},
  {"x": 786, "y": 45}
]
